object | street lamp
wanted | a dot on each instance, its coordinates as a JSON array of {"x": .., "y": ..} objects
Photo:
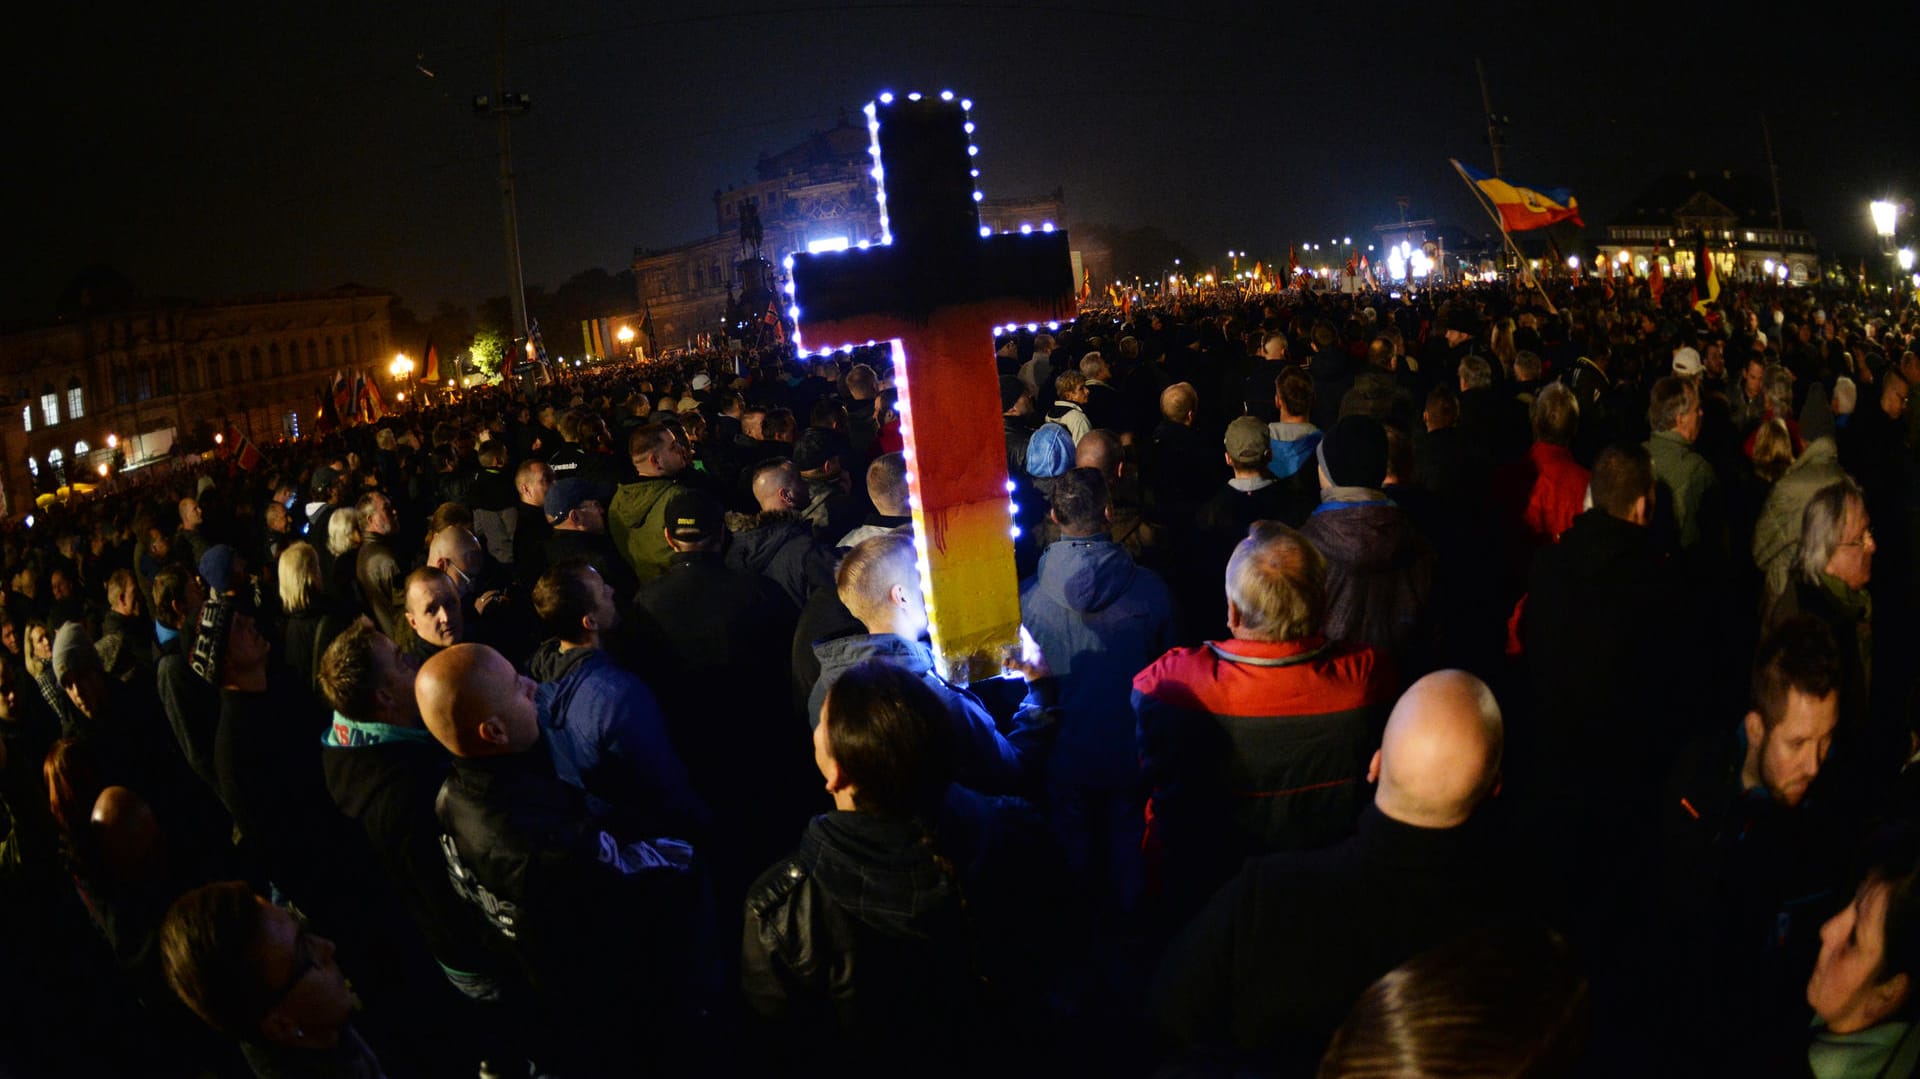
[
  {"x": 625, "y": 336},
  {"x": 1573, "y": 263},
  {"x": 1906, "y": 259},
  {"x": 400, "y": 368},
  {"x": 1885, "y": 215}
]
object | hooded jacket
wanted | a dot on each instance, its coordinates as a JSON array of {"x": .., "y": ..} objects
[
  {"x": 857, "y": 944},
  {"x": 608, "y": 738},
  {"x": 1098, "y": 618},
  {"x": 637, "y": 521},
  {"x": 984, "y": 759},
  {"x": 780, "y": 547},
  {"x": 1379, "y": 570}
]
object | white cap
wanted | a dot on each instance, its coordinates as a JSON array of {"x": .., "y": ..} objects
[
  {"x": 1686, "y": 362},
  {"x": 700, "y": 381}
]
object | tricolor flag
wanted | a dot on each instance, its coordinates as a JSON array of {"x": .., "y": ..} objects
[
  {"x": 359, "y": 394},
  {"x": 1706, "y": 278},
  {"x": 1523, "y": 208},
  {"x": 342, "y": 398},
  {"x": 430, "y": 365},
  {"x": 372, "y": 405}
]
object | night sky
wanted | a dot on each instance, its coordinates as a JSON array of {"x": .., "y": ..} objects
[{"x": 295, "y": 147}]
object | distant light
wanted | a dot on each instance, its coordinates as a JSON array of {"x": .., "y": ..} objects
[
  {"x": 886, "y": 97},
  {"x": 787, "y": 262},
  {"x": 946, "y": 95},
  {"x": 973, "y": 151},
  {"x": 833, "y": 243},
  {"x": 218, "y": 438},
  {"x": 1026, "y": 229},
  {"x": 1885, "y": 216},
  {"x": 986, "y": 230},
  {"x": 977, "y": 196},
  {"x": 1906, "y": 258},
  {"x": 967, "y": 127},
  {"x": 966, "y": 103},
  {"x": 1046, "y": 226},
  {"x": 915, "y": 96},
  {"x": 1573, "y": 262},
  {"x": 793, "y": 312},
  {"x": 1009, "y": 482}
]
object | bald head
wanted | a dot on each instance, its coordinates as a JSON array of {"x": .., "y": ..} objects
[
  {"x": 1441, "y": 753},
  {"x": 454, "y": 547},
  {"x": 127, "y": 835},
  {"x": 777, "y": 486},
  {"x": 475, "y": 703},
  {"x": 1100, "y": 449}
]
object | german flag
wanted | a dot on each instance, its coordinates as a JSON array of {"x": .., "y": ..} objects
[
  {"x": 1523, "y": 208},
  {"x": 1706, "y": 278},
  {"x": 430, "y": 366}
]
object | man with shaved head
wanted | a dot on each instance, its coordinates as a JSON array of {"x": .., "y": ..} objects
[
  {"x": 1272, "y": 965},
  {"x": 600, "y": 917},
  {"x": 778, "y": 543}
]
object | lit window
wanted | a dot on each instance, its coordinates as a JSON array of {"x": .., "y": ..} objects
[
  {"x": 76, "y": 402},
  {"x": 79, "y": 448},
  {"x": 33, "y": 465},
  {"x": 50, "y": 407},
  {"x": 26, "y": 417},
  {"x": 54, "y": 457}
]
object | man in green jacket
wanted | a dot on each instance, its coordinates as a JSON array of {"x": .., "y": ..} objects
[
  {"x": 1685, "y": 516},
  {"x": 637, "y": 519}
]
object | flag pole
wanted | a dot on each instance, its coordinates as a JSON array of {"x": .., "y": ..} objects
[{"x": 1481, "y": 198}]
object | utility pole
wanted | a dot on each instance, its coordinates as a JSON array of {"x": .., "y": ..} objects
[
  {"x": 1773, "y": 173},
  {"x": 1494, "y": 123},
  {"x": 503, "y": 106}
]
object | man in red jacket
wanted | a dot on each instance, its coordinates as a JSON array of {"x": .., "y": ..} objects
[{"x": 1259, "y": 743}]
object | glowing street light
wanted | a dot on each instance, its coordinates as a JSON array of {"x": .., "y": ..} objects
[
  {"x": 1885, "y": 216},
  {"x": 1573, "y": 263},
  {"x": 113, "y": 441},
  {"x": 401, "y": 366},
  {"x": 624, "y": 335},
  {"x": 1906, "y": 259},
  {"x": 102, "y": 470}
]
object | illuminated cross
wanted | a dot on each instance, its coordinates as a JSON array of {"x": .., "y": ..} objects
[{"x": 935, "y": 287}]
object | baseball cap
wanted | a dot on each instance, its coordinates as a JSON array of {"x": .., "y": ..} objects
[
  {"x": 1686, "y": 362},
  {"x": 694, "y": 516},
  {"x": 565, "y": 496},
  {"x": 700, "y": 381},
  {"x": 1247, "y": 441}
]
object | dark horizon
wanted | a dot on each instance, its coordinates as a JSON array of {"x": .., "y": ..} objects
[{"x": 302, "y": 151}]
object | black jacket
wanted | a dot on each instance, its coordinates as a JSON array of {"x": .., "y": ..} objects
[
  {"x": 603, "y": 924},
  {"x": 781, "y": 547},
  {"x": 856, "y": 951},
  {"x": 1274, "y": 962},
  {"x": 386, "y": 779}
]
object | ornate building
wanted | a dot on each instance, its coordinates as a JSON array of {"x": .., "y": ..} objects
[
  {"x": 817, "y": 193},
  {"x": 1735, "y": 214},
  {"x": 116, "y": 373}
]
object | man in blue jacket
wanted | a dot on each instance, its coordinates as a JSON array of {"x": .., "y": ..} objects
[
  {"x": 1099, "y": 619},
  {"x": 607, "y": 733},
  {"x": 879, "y": 581}
]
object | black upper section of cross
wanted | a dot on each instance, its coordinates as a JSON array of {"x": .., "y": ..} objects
[{"x": 938, "y": 257}]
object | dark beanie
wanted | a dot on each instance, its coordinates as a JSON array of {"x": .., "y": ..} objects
[{"x": 1355, "y": 452}]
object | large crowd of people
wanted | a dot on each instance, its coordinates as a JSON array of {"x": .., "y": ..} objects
[{"x": 1459, "y": 683}]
